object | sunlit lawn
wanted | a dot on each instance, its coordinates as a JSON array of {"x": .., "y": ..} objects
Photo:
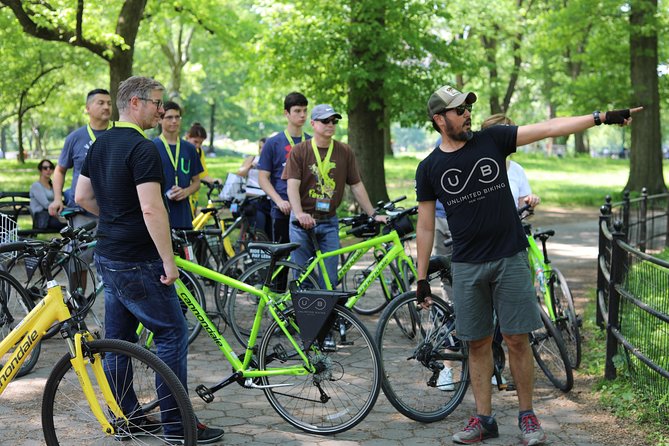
[{"x": 559, "y": 181}]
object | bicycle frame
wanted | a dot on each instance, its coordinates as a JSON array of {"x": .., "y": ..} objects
[
  {"x": 541, "y": 270},
  {"x": 240, "y": 366},
  {"x": 29, "y": 333},
  {"x": 359, "y": 249}
]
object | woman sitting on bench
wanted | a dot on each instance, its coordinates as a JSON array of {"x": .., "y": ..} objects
[{"x": 41, "y": 195}]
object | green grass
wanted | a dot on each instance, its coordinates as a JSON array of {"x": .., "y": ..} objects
[{"x": 563, "y": 182}]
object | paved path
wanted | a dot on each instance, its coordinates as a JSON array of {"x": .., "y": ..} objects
[{"x": 247, "y": 417}]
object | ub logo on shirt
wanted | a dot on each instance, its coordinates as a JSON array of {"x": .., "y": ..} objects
[{"x": 454, "y": 181}]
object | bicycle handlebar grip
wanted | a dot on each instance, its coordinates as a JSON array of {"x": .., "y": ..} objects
[{"x": 13, "y": 246}]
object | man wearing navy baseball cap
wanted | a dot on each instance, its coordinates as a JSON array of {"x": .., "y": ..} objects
[{"x": 317, "y": 172}]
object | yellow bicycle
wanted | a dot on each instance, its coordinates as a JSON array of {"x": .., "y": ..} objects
[{"x": 100, "y": 391}]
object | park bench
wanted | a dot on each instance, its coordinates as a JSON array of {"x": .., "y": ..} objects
[{"x": 17, "y": 204}]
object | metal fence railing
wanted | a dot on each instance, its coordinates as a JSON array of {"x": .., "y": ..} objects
[{"x": 633, "y": 292}]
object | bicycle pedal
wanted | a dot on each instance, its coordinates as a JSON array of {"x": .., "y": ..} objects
[{"x": 204, "y": 393}]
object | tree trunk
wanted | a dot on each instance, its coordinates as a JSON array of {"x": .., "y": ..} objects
[
  {"x": 579, "y": 143},
  {"x": 646, "y": 149},
  {"x": 366, "y": 137},
  {"x": 212, "y": 125}
]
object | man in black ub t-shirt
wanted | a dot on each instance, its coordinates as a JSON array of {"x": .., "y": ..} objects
[
  {"x": 467, "y": 174},
  {"x": 121, "y": 182}
]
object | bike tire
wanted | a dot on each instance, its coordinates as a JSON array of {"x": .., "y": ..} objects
[
  {"x": 392, "y": 282},
  {"x": 195, "y": 288},
  {"x": 411, "y": 364},
  {"x": 550, "y": 353},
  {"x": 242, "y": 306},
  {"x": 66, "y": 415},
  {"x": 566, "y": 318},
  {"x": 234, "y": 267},
  {"x": 349, "y": 375},
  {"x": 15, "y": 304}
]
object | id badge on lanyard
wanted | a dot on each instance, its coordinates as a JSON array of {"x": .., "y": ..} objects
[{"x": 323, "y": 205}]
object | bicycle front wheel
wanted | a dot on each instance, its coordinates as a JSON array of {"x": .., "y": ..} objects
[
  {"x": 15, "y": 304},
  {"x": 551, "y": 354},
  {"x": 195, "y": 288},
  {"x": 392, "y": 282},
  {"x": 412, "y": 364},
  {"x": 566, "y": 319},
  {"x": 152, "y": 397},
  {"x": 345, "y": 386}
]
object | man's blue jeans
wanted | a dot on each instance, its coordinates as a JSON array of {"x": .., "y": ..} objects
[
  {"x": 327, "y": 236},
  {"x": 134, "y": 294}
]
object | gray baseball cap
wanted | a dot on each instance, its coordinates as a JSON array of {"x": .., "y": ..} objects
[
  {"x": 323, "y": 111},
  {"x": 447, "y": 97}
]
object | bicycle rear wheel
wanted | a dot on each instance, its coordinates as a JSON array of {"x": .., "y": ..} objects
[
  {"x": 14, "y": 307},
  {"x": 566, "y": 318},
  {"x": 66, "y": 415},
  {"x": 412, "y": 364},
  {"x": 347, "y": 382},
  {"x": 551, "y": 354}
]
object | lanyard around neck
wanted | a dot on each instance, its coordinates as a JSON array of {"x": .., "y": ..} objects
[
  {"x": 290, "y": 138},
  {"x": 90, "y": 131},
  {"x": 174, "y": 159},
  {"x": 325, "y": 163},
  {"x": 130, "y": 125}
]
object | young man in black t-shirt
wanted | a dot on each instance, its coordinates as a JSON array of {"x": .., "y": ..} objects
[{"x": 467, "y": 174}]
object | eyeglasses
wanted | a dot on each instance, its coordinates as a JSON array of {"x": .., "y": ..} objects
[
  {"x": 334, "y": 121},
  {"x": 157, "y": 102},
  {"x": 172, "y": 118},
  {"x": 45, "y": 167},
  {"x": 460, "y": 109}
]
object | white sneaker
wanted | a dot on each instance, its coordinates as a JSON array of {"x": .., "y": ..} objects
[
  {"x": 445, "y": 380},
  {"x": 494, "y": 380}
]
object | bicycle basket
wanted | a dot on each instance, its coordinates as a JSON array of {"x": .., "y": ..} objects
[
  {"x": 402, "y": 225},
  {"x": 8, "y": 234}
]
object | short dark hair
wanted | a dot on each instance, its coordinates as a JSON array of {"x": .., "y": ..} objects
[
  {"x": 171, "y": 105},
  {"x": 294, "y": 99},
  {"x": 196, "y": 131},
  {"x": 92, "y": 93}
]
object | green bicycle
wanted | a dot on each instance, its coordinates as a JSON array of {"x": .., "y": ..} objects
[
  {"x": 392, "y": 269},
  {"x": 318, "y": 388},
  {"x": 558, "y": 302}
]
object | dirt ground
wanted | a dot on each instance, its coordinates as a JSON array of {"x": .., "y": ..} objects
[{"x": 574, "y": 251}]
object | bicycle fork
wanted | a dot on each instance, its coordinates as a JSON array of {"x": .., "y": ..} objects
[{"x": 81, "y": 357}]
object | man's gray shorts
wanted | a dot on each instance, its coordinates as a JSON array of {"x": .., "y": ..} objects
[{"x": 505, "y": 284}]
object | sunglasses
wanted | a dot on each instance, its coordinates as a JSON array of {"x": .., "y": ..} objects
[
  {"x": 334, "y": 121},
  {"x": 460, "y": 109},
  {"x": 45, "y": 167}
]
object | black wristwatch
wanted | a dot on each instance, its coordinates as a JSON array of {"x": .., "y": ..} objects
[{"x": 595, "y": 115}]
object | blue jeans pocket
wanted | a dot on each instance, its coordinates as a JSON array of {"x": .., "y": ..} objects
[{"x": 126, "y": 282}]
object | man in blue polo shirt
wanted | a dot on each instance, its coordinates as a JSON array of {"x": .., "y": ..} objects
[
  {"x": 77, "y": 143},
  {"x": 273, "y": 160}
]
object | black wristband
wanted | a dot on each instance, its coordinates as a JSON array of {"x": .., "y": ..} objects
[{"x": 595, "y": 115}]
